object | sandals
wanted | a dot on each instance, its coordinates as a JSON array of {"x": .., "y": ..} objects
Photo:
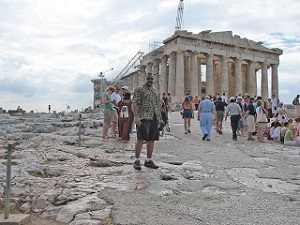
[
  {"x": 106, "y": 137},
  {"x": 250, "y": 139}
]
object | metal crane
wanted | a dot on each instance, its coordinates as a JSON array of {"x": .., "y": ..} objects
[
  {"x": 101, "y": 74},
  {"x": 130, "y": 65},
  {"x": 179, "y": 17}
]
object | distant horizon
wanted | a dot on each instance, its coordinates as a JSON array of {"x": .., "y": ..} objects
[{"x": 83, "y": 108}]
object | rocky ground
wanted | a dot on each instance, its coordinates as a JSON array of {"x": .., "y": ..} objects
[{"x": 198, "y": 182}]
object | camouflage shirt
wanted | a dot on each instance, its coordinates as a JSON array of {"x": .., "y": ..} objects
[{"x": 148, "y": 101}]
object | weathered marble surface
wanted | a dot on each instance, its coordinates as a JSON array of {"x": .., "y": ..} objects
[{"x": 216, "y": 182}]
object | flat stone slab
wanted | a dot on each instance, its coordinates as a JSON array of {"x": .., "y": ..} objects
[{"x": 15, "y": 219}]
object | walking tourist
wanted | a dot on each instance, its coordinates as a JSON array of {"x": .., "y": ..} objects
[
  {"x": 224, "y": 98},
  {"x": 220, "y": 108},
  {"x": 196, "y": 102},
  {"x": 187, "y": 114},
  {"x": 147, "y": 114},
  {"x": 235, "y": 112},
  {"x": 206, "y": 115}
]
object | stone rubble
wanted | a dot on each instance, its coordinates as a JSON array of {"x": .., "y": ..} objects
[{"x": 216, "y": 182}]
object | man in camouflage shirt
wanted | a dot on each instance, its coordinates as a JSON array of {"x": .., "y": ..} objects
[{"x": 147, "y": 114}]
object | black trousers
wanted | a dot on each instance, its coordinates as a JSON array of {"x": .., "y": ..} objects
[{"x": 234, "y": 119}]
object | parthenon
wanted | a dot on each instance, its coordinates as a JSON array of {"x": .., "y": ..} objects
[{"x": 230, "y": 64}]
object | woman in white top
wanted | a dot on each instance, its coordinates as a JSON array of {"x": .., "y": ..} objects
[
  {"x": 276, "y": 134},
  {"x": 261, "y": 125}
]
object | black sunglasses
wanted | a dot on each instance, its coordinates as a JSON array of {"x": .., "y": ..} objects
[{"x": 149, "y": 78}]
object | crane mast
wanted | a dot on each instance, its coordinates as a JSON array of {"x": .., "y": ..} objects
[{"x": 179, "y": 17}]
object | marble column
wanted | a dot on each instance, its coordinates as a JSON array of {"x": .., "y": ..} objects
[
  {"x": 125, "y": 81},
  {"x": 149, "y": 68},
  {"x": 179, "y": 85},
  {"x": 164, "y": 74},
  {"x": 199, "y": 74},
  {"x": 210, "y": 86},
  {"x": 172, "y": 74},
  {"x": 217, "y": 76},
  {"x": 224, "y": 75},
  {"x": 130, "y": 82},
  {"x": 135, "y": 80},
  {"x": 238, "y": 81},
  {"x": 194, "y": 75},
  {"x": 274, "y": 80},
  {"x": 187, "y": 71},
  {"x": 142, "y": 75},
  {"x": 264, "y": 81},
  {"x": 155, "y": 72},
  {"x": 251, "y": 87}
]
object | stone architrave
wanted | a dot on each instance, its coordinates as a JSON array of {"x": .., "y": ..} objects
[
  {"x": 274, "y": 83},
  {"x": 238, "y": 78},
  {"x": 164, "y": 74},
  {"x": 224, "y": 75},
  {"x": 172, "y": 74},
  {"x": 264, "y": 81},
  {"x": 194, "y": 75},
  {"x": 210, "y": 87}
]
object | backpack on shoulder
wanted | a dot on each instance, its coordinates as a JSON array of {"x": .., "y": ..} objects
[{"x": 124, "y": 111}]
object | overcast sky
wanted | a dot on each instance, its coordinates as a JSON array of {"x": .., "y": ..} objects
[{"x": 51, "y": 49}]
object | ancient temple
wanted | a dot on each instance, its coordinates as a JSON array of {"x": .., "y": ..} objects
[{"x": 230, "y": 64}]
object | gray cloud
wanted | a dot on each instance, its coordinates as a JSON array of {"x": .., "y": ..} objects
[{"x": 50, "y": 50}]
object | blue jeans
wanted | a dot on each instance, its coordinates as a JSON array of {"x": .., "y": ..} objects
[{"x": 206, "y": 121}]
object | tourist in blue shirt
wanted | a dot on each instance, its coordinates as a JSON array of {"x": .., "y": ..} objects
[{"x": 206, "y": 115}]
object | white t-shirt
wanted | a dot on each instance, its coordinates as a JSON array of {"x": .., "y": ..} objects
[
  {"x": 276, "y": 133},
  {"x": 224, "y": 98},
  {"x": 274, "y": 102},
  {"x": 116, "y": 97}
]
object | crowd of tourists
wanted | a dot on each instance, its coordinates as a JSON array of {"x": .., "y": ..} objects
[
  {"x": 149, "y": 111},
  {"x": 249, "y": 116}
]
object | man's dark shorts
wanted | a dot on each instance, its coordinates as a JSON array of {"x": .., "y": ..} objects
[{"x": 148, "y": 131}]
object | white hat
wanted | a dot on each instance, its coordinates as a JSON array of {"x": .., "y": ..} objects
[
  {"x": 232, "y": 98},
  {"x": 125, "y": 87}
]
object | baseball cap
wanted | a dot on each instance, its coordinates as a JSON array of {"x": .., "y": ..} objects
[{"x": 125, "y": 87}]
